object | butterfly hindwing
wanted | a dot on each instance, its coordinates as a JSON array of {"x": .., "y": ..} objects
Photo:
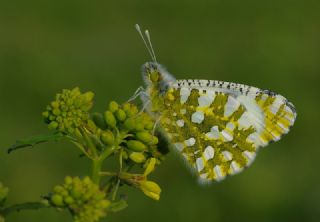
[{"x": 218, "y": 127}]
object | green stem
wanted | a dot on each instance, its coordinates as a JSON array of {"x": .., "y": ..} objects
[
  {"x": 114, "y": 194},
  {"x": 89, "y": 143},
  {"x": 96, "y": 168},
  {"x": 24, "y": 206},
  {"x": 106, "y": 173},
  {"x": 107, "y": 152},
  {"x": 97, "y": 164}
]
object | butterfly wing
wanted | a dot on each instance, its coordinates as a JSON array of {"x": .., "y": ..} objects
[{"x": 219, "y": 126}]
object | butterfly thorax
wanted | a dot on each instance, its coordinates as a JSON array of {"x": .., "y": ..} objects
[{"x": 157, "y": 81}]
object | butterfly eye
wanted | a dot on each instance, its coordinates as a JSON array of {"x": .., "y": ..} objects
[{"x": 154, "y": 76}]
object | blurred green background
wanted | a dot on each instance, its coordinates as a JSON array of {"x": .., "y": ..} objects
[{"x": 46, "y": 46}]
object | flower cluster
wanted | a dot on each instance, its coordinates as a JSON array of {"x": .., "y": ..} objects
[
  {"x": 121, "y": 131},
  {"x": 133, "y": 129},
  {"x": 83, "y": 198},
  {"x": 69, "y": 111}
]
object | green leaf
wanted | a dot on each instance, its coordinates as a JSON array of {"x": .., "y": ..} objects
[
  {"x": 25, "y": 206},
  {"x": 118, "y": 206},
  {"x": 34, "y": 140}
]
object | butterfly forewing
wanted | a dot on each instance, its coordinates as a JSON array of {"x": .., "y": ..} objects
[{"x": 219, "y": 126}]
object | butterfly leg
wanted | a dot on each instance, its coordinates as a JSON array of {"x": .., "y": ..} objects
[
  {"x": 155, "y": 125},
  {"x": 137, "y": 93},
  {"x": 145, "y": 105}
]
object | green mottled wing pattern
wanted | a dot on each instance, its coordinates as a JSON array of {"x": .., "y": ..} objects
[{"x": 218, "y": 127}]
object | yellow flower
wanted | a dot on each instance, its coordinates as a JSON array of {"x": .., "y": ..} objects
[
  {"x": 151, "y": 189},
  {"x": 150, "y": 166}
]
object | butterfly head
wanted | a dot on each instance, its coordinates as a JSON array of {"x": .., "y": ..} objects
[{"x": 155, "y": 76}]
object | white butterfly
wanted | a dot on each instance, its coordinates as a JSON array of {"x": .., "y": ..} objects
[{"x": 216, "y": 126}]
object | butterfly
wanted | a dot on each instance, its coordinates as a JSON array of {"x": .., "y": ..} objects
[{"x": 217, "y": 127}]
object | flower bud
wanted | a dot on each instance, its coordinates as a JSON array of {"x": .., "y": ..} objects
[
  {"x": 133, "y": 111},
  {"x": 105, "y": 203},
  {"x": 69, "y": 111},
  {"x": 121, "y": 115},
  {"x": 126, "y": 107},
  {"x": 150, "y": 166},
  {"x": 149, "y": 125},
  {"x": 144, "y": 137},
  {"x": 155, "y": 140},
  {"x": 76, "y": 192},
  {"x": 129, "y": 124},
  {"x": 87, "y": 97},
  {"x": 151, "y": 189},
  {"x": 137, "y": 157},
  {"x": 53, "y": 125},
  {"x": 68, "y": 180},
  {"x": 82, "y": 197},
  {"x": 113, "y": 106},
  {"x": 99, "y": 120},
  {"x": 139, "y": 126},
  {"x": 107, "y": 137},
  {"x": 57, "y": 200},
  {"x": 136, "y": 145},
  {"x": 45, "y": 114},
  {"x": 68, "y": 200},
  {"x": 110, "y": 119}
]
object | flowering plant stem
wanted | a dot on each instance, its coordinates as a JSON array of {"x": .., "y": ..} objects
[
  {"x": 96, "y": 168},
  {"x": 121, "y": 132}
]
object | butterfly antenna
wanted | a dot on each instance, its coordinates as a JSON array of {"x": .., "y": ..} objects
[
  {"x": 150, "y": 44},
  {"x": 150, "y": 50}
]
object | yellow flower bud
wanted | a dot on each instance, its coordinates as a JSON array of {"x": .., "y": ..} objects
[
  {"x": 149, "y": 125},
  {"x": 131, "y": 110},
  {"x": 88, "y": 96},
  {"x": 144, "y": 137},
  {"x": 68, "y": 180},
  {"x": 121, "y": 115},
  {"x": 129, "y": 124},
  {"x": 113, "y": 106},
  {"x": 136, "y": 145},
  {"x": 110, "y": 119},
  {"x": 155, "y": 140},
  {"x": 68, "y": 200},
  {"x": 150, "y": 166},
  {"x": 126, "y": 107},
  {"x": 151, "y": 189},
  {"x": 137, "y": 157},
  {"x": 53, "y": 125},
  {"x": 107, "y": 137},
  {"x": 139, "y": 126},
  {"x": 45, "y": 114},
  {"x": 57, "y": 200}
]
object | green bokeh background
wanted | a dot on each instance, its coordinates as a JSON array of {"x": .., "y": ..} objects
[{"x": 46, "y": 46}]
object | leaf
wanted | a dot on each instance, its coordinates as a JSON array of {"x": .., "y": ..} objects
[
  {"x": 34, "y": 140},
  {"x": 25, "y": 206},
  {"x": 118, "y": 206}
]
